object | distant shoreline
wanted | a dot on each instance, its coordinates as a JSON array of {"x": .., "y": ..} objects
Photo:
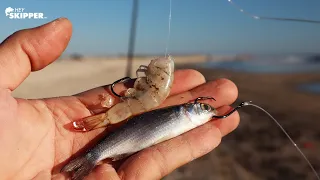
[
  {"x": 179, "y": 58},
  {"x": 262, "y": 87}
]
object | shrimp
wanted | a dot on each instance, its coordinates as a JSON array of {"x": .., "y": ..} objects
[{"x": 147, "y": 93}]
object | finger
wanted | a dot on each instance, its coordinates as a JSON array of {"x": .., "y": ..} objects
[
  {"x": 183, "y": 81},
  {"x": 223, "y": 90},
  {"x": 31, "y": 50},
  {"x": 59, "y": 177},
  {"x": 103, "y": 171},
  {"x": 225, "y": 125},
  {"x": 42, "y": 175},
  {"x": 161, "y": 159}
]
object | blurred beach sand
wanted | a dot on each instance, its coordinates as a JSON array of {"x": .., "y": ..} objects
[
  {"x": 256, "y": 150},
  {"x": 67, "y": 76}
]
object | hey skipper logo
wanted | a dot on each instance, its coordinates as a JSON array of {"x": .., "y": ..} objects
[{"x": 21, "y": 13}]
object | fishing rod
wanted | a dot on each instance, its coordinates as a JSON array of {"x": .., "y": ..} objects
[{"x": 257, "y": 17}]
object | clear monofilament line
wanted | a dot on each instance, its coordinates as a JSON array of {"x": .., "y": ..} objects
[
  {"x": 271, "y": 18},
  {"x": 169, "y": 30},
  {"x": 288, "y": 136}
]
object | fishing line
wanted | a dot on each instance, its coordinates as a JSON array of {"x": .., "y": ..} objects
[
  {"x": 283, "y": 130},
  {"x": 257, "y": 17},
  {"x": 169, "y": 30}
]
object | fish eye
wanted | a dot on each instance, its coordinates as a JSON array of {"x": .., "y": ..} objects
[{"x": 205, "y": 107}]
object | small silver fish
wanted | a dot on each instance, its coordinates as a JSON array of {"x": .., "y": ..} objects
[{"x": 140, "y": 132}]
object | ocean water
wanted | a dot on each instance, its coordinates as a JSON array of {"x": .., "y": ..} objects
[
  {"x": 275, "y": 64},
  {"x": 310, "y": 87},
  {"x": 287, "y": 63},
  {"x": 264, "y": 66}
]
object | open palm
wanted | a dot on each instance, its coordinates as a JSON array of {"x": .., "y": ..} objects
[{"x": 34, "y": 136}]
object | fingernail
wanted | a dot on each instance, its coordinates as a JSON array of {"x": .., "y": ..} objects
[
  {"x": 57, "y": 21},
  {"x": 57, "y": 25}
]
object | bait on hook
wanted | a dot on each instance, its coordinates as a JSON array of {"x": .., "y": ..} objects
[
  {"x": 140, "y": 132},
  {"x": 148, "y": 92},
  {"x": 125, "y": 79}
]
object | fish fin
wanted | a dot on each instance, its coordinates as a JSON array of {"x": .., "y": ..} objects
[
  {"x": 120, "y": 156},
  {"x": 80, "y": 167},
  {"x": 72, "y": 165},
  {"x": 90, "y": 122}
]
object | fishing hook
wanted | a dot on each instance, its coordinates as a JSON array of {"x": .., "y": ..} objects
[
  {"x": 228, "y": 114},
  {"x": 125, "y": 79},
  {"x": 236, "y": 108},
  {"x": 203, "y": 98}
]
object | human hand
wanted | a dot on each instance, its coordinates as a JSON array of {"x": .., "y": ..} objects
[{"x": 33, "y": 134}]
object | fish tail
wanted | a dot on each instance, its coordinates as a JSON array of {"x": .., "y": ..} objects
[
  {"x": 90, "y": 123},
  {"x": 80, "y": 167}
]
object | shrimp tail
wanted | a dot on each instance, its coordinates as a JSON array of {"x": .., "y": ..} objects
[
  {"x": 80, "y": 167},
  {"x": 90, "y": 122}
]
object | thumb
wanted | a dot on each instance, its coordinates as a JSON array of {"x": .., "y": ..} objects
[{"x": 31, "y": 50}]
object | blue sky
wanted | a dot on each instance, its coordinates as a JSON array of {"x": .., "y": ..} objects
[{"x": 101, "y": 27}]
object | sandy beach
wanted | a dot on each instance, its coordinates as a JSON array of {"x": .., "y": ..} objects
[
  {"x": 256, "y": 150},
  {"x": 67, "y": 77}
]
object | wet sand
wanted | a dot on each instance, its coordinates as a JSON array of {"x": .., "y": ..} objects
[{"x": 258, "y": 149}]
